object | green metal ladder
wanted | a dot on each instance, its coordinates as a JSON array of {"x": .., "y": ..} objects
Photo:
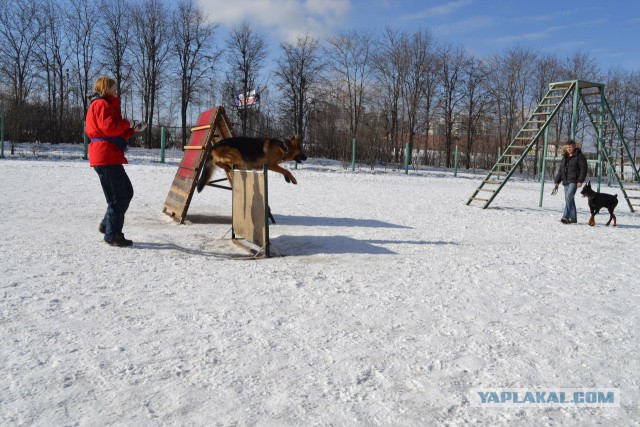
[
  {"x": 538, "y": 124},
  {"x": 612, "y": 145},
  {"x": 517, "y": 150}
]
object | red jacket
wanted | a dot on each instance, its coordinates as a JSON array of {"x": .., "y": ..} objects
[{"x": 104, "y": 119}]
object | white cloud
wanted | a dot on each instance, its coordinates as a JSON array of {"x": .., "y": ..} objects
[
  {"x": 546, "y": 32},
  {"x": 442, "y": 10},
  {"x": 287, "y": 18},
  {"x": 473, "y": 23}
]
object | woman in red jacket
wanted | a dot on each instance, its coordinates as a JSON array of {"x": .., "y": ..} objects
[{"x": 108, "y": 132}]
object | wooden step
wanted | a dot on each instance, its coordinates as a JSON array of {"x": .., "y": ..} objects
[
  {"x": 486, "y": 189},
  {"x": 492, "y": 181},
  {"x": 478, "y": 198}
]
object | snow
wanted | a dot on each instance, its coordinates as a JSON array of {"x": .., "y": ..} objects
[{"x": 394, "y": 299}]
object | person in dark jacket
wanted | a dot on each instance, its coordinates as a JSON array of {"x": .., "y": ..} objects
[
  {"x": 572, "y": 173},
  {"x": 108, "y": 132}
]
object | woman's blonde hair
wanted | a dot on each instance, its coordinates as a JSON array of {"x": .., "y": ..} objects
[{"x": 102, "y": 85}]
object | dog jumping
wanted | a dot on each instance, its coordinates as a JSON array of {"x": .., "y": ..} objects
[
  {"x": 598, "y": 201},
  {"x": 251, "y": 153}
]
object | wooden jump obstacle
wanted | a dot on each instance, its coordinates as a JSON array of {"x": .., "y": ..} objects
[
  {"x": 212, "y": 126},
  {"x": 250, "y": 211},
  {"x": 250, "y": 208}
]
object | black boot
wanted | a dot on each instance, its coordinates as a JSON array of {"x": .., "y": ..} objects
[{"x": 120, "y": 241}]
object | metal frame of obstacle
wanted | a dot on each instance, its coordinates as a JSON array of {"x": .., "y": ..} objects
[{"x": 610, "y": 141}]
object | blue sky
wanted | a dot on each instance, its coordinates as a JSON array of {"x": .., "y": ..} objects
[{"x": 607, "y": 30}]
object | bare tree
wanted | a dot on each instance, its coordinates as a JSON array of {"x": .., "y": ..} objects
[
  {"x": 53, "y": 54},
  {"x": 81, "y": 21},
  {"x": 581, "y": 66},
  {"x": 507, "y": 83},
  {"x": 547, "y": 70},
  {"x": 421, "y": 61},
  {"x": 151, "y": 44},
  {"x": 192, "y": 39},
  {"x": 634, "y": 93},
  {"x": 114, "y": 41},
  {"x": 475, "y": 102},
  {"x": 453, "y": 62},
  {"x": 298, "y": 73},
  {"x": 349, "y": 56},
  {"x": 247, "y": 52},
  {"x": 390, "y": 68},
  {"x": 20, "y": 32}
]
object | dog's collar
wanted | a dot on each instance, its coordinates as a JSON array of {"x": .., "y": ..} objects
[{"x": 591, "y": 196}]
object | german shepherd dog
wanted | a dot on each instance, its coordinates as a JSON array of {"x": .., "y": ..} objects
[
  {"x": 598, "y": 201},
  {"x": 251, "y": 153}
]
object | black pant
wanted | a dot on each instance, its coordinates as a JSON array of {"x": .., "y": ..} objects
[{"x": 118, "y": 191}]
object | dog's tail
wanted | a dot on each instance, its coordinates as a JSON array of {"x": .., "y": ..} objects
[{"x": 206, "y": 173}]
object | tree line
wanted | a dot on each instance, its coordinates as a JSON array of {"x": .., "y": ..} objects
[{"x": 391, "y": 91}]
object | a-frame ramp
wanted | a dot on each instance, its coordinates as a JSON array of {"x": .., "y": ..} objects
[
  {"x": 212, "y": 126},
  {"x": 602, "y": 119}
]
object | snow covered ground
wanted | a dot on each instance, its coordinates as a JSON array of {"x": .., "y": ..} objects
[{"x": 393, "y": 301}]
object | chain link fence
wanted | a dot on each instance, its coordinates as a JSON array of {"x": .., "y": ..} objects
[{"x": 41, "y": 150}]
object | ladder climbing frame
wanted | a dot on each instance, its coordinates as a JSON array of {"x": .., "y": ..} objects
[{"x": 610, "y": 141}]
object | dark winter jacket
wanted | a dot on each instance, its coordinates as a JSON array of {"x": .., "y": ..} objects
[{"x": 572, "y": 169}]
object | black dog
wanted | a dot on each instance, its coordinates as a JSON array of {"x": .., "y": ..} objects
[{"x": 598, "y": 201}]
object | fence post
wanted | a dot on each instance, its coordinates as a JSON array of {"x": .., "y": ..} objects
[
  {"x": 86, "y": 142},
  {"x": 406, "y": 159},
  {"x": 353, "y": 155},
  {"x": 163, "y": 143},
  {"x": 2, "y": 134},
  {"x": 455, "y": 163}
]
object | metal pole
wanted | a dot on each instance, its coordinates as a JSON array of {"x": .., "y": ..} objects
[
  {"x": 267, "y": 211},
  {"x": 163, "y": 143},
  {"x": 406, "y": 159},
  {"x": 353, "y": 155},
  {"x": 543, "y": 172},
  {"x": 574, "y": 117},
  {"x": 455, "y": 163},
  {"x": 539, "y": 165},
  {"x": 86, "y": 141},
  {"x": 601, "y": 139}
]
